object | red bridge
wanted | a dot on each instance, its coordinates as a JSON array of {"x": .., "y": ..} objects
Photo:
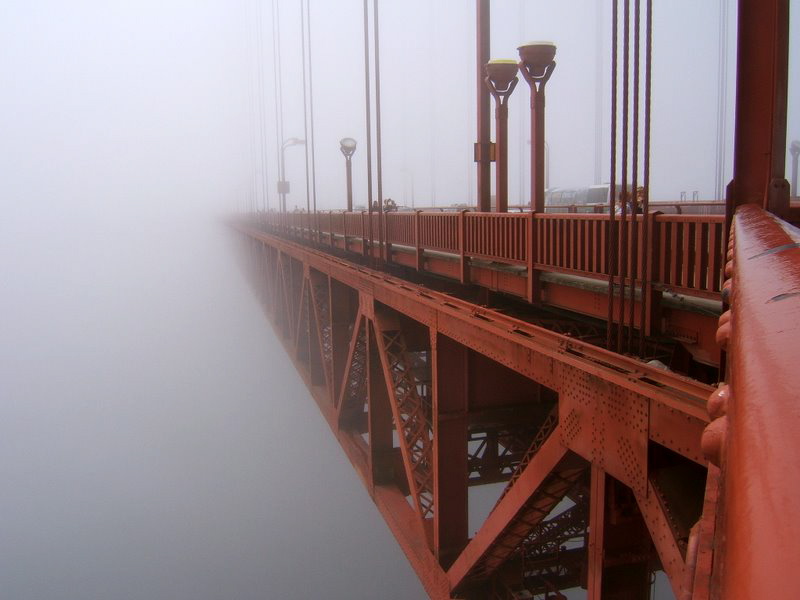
[{"x": 630, "y": 376}]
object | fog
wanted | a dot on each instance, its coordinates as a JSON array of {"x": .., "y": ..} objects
[{"x": 156, "y": 441}]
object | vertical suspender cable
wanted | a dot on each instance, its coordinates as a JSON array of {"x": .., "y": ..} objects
[
  {"x": 262, "y": 111},
  {"x": 251, "y": 105},
  {"x": 278, "y": 78},
  {"x": 634, "y": 174},
  {"x": 598, "y": 96},
  {"x": 381, "y": 216},
  {"x": 369, "y": 118},
  {"x": 722, "y": 85},
  {"x": 305, "y": 99},
  {"x": 611, "y": 241},
  {"x": 646, "y": 172},
  {"x": 623, "y": 259},
  {"x": 311, "y": 110}
]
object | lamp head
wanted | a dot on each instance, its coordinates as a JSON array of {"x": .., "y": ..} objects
[
  {"x": 537, "y": 56},
  {"x": 347, "y": 146},
  {"x": 501, "y": 73}
]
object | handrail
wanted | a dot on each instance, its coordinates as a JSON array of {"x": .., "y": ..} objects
[
  {"x": 685, "y": 251},
  {"x": 754, "y": 436}
]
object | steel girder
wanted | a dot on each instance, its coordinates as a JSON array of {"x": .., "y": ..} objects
[{"x": 404, "y": 377}]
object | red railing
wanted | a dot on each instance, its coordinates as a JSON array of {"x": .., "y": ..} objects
[
  {"x": 753, "y": 437},
  {"x": 438, "y": 231},
  {"x": 400, "y": 228},
  {"x": 498, "y": 237},
  {"x": 684, "y": 252}
]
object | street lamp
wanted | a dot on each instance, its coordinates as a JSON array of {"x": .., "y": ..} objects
[
  {"x": 795, "y": 150},
  {"x": 283, "y": 185},
  {"x": 501, "y": 79},
  {"x": 536, "y": 65},
  {"x": 348, "y": 147}
]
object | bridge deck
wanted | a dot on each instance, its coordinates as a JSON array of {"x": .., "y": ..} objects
[{"x": 674, "y": 262}]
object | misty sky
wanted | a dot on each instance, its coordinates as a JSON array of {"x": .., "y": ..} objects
[{"x": 155, "y": 440}]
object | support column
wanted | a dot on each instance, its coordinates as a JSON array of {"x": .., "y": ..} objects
[
  {"x": 597, "y": 513},
  {"x": 450, "y": 410},
  {"x": 762, "y": 66},
  {"x": 483, "y": 147}
]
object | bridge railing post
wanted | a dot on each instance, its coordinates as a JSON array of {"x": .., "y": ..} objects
[
  {"x": 462, "y": 247},
  {"x": 651, "y": 298},
  {"x": 530, "y": 229},
  {"x": 417, "y": 249},
  {"x": 364, "y": 249}
]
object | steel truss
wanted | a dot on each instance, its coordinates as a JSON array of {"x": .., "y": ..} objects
[{"x": 428, "y": 395}]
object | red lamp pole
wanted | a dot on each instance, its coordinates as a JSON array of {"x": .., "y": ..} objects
[
  {"x": 536, "y": 65},
  {"x": 501, "y": 79}
]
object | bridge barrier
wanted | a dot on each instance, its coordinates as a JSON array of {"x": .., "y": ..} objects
[
  {"x": 684, "y": 253},
  {"x": 753, "y": 437}
]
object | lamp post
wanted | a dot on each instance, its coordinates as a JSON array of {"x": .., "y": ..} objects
[
  {"x": 795, "y": 150},
  {"x": 283, "y": 185},
  {"x": 348, "y": 147},
  {"x": 501, "y": 79},
  {"x": 536, "y": 65}
]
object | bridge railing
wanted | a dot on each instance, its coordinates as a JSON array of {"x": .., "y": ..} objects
[
  {"x": 753, "y": 436},
  {"x": 497, "y": 236},
  {"x": 683, "y": 253}
]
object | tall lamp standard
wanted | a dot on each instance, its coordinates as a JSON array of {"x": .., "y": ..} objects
[
  {"x": 537, "y": 65},
  {"x": 348, "y": 147},
  {"x": 283, "y": 185},
  {"x": 795, "y": 150},
  {"x": 501, "y": 79}
]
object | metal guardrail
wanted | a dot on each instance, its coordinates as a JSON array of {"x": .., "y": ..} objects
[
  {"x": 684, "y": 253},
  {"x": 753, "y": 436}
]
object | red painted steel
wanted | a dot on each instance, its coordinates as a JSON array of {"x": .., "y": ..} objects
[
  {"x": 686, "y": 252},
  {"x": 402, "y": 341},
  {"x": 757, "y": 423}
]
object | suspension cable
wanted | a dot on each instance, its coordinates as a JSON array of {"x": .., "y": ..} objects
[
  {"x": 251, "y": 106},
  {"x": 305, "y": 99},
  {"x": 262, "y": 111},
  {"x": 311, "y": 109},
  {"x": 611, "y": 243},
  {"x": 648, "y": 61},
  {"x": 381, "y": 216},
  {"x": 277, "y": 72},
  {"x": 369, "y": 118},
  {"x": 634, "y": 174},
  {"x": 623, "y": 259}
]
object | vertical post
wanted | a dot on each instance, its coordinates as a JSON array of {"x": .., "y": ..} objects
[
  {"x": 537, "y": 65},
  {"x": 483, "y": 147},
  {"x": 537, "y": 150},
  {"x": 462, "y": 246},
  {"x": 762, "y": 66},
  {"x": 533, "y": 281},
  {"x": 450, "y": 410},
  {"x": 282, "y": 185},
  {"x": 795, "y": 150},
  {"x": 501, "y": 157},
  {"x": 349, "y": 167},
  {"x": 419, "y": 255},
  {"x": 501, "y": 79},
  {"x": 597, "y": 514}
]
